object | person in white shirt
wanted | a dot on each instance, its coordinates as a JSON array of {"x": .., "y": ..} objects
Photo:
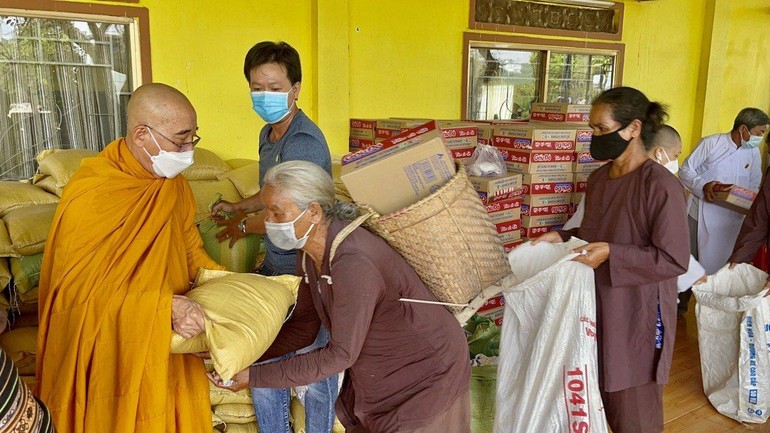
[{"x": 731, "y": 158}]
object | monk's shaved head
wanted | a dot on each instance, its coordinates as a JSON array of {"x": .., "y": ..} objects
[
  {"x": 157, "y": 104},
  {"x": 667, "y": 137}
]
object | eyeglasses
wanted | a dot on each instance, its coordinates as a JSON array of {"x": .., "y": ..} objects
[{"x": 192, "y": 143}]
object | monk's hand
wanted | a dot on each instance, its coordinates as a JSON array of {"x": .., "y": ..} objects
[
  {"x": 238, "y": 382},
  {"x": 187, "y": 317},
  {"x": 550, "y": 237},
  {"x": 593, "y": 254},
  {"x": 708, "y": 191},
  {"x": 232, "y": 232}
]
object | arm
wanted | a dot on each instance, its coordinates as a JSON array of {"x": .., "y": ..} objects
[
  {"x": 688, "y": 173},
  {"x": 305, "y": 147},
  {"x": 300, "y": 330},
  {"x": 669, "y": 253},
  {"x": 754, "y": 230},
  {"x": 357, "y": 288}
]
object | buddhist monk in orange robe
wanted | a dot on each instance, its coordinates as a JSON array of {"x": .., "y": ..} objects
[{"x": 123, "y": 245}]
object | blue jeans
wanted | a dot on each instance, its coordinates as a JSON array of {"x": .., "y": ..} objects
[{"x": 272, "y": 404}]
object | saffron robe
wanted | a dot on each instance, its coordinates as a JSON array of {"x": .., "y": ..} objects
[{"x": 122, "y": 243}]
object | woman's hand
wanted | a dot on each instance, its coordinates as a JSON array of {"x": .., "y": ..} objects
[
  {"x": 187, "y": 317},
  {"x": 221, "y": 209},
  {"x": 232, "y": 230},
  {"x": 238, "y": 382},
  {"x": 593, "y": 254},
  {"x": 550, "y": 237}
]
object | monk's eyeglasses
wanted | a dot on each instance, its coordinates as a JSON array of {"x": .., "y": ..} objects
[{"x": 192, "y": 143}]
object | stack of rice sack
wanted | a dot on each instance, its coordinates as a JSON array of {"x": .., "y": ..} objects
[
  {"x": 27, "y": 213},
  {"x": 211, "y": 179},
  {"x": 232, "y": 411}
]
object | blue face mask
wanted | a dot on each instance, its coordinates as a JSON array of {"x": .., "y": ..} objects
[
  {"x": 272, "y": 107},
  {"x": 754, "y": 141}
]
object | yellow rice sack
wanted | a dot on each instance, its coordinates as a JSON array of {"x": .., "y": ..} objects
[
  {"x": 21, "y": 346},
  {"x": 242, "y": 257},
  {"x": 217, "y": 424},
  {"x": 251, "y": 427},
  {"x": 245, "y": 179},
  {"x": 235, "y": 414},
  {"x": 5, "y": 273},
  {"x": 244, "y": 314},
  {"x": 239, "y": 162},
  {"x": 46, "y": 183},
  {"x": 28, "y": 228},
  {"x": 6, "y": 246},
  {"x": 207, "y": 166},
  {"x": 62, "y": 163},
  {"x": 14, "y": 195},
  {"x": 225, "y": 396},
  {"x": 26, "y": 272},
  {"x": 206, "y": 191}
]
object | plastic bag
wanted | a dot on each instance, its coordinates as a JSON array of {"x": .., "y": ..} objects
[
  {"x": 548, "y": 368},
  {"x": 733, "y": 317},
  {"x": 486, "y": 161}
]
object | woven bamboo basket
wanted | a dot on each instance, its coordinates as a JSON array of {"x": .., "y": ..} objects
[{"x": 448, "y": 239}]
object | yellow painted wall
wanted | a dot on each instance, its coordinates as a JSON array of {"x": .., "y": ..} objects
[
  {"x": 706, "y": 59},
  {"x": 745, "y": 74}
]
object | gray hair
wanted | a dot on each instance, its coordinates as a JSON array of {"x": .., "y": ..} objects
[
  {"x": 666, "y": 137},
  {"x": 751, "y": 117},
  {"x": 303, "y": 183}
]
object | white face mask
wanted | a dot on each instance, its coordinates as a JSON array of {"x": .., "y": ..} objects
[
  {"x": 169, "y": 164},
  {"x": 671, "y": 165},
  {"x": 283, "y": 236}
]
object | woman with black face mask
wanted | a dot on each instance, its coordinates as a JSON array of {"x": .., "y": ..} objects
[{"x": 636, "y": 225}]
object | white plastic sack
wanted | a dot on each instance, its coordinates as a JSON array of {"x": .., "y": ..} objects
[
  {"x": 547, "y": 378},
  {"x": 733, "y": 334}
]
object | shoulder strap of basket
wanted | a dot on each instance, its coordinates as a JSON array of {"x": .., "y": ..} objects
[{"x": 341, "y": 236}]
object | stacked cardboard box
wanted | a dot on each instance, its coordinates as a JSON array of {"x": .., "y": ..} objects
[
  {"x": 412, "y": 165},
  {"x": 544, "y": 154},
  {"x": 460, "y": 137},
  {"x": 502, "y": 197}
]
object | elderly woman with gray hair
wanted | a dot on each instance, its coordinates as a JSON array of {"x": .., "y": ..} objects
[{"x": 408, "y": 368}]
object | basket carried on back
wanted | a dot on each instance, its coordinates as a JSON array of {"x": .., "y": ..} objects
[{"x": 448, "y": 239}]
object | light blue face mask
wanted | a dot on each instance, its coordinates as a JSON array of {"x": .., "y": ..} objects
[
  {"x": 272, "y": 107},
  {"x": 754, "y": 141}
]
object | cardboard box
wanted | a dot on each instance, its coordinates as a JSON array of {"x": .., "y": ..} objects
[
  {"x": 556, "y": 209},
  {"x": 385, "y": 148},
  {"x": 583, "y": 147},
  {"x": 545, "y": 220},
  {"x": 534, "y": 137},
  {"x": 559, "y": 112},
  {"x": 734, "y": 197},
  {"x": 583, "y": 135},
  {"x": 387, "y": 128},
  {"x": 539, "y": 200},
  {"x": 509, "y": 247},
  {"x": 356, "y": 144},
  {"x": 457, "y": 134},
  {"x": 400, "y": 179},
  {"x": 484, "y": 133},
  {"x": 512, "y": 227},
  {"x": 492, "y": 189},
  {"x": 493, "y": 309},
  {"x": 463, "y": 154},
  {"x": 537, "y": 162},
  {"x": 505, "y": 210},
  {"x": 587, "y": 167},
  {"x": 531, "y": 233},
  {"x": 549, "y": 183},
  {"x": 363, "y": 128},
  {"x": 581, "y": 181}
]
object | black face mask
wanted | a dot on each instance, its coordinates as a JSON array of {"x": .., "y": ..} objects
[{"x": 608, "y": 146}]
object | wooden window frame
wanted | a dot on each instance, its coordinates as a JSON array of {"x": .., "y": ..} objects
[
  {"x": 538, "y": 31},
  {"x": 69, "y": 10},
  {"x": 529, "y": 43}
]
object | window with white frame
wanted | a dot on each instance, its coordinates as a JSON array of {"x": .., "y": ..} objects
[
  {"x": 64, "y": 83},
  {"x": 503, "y": 82}
]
